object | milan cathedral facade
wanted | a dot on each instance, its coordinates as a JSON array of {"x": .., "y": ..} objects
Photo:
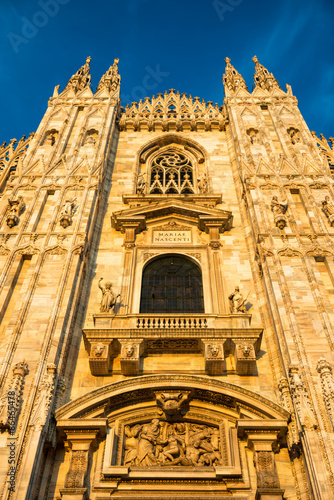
[{"x": 167, "y": 298}]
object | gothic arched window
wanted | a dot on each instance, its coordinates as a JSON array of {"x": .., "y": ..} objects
[
  {"x": 172, "y": 284},
  {"x": 171, "y": 173}
]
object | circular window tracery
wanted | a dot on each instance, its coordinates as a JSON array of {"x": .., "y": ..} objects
[{"x": 171, "y": 173}]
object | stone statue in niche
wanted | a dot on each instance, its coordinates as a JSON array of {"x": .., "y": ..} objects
[
  {"x": 295, "y": 136},
  {"x": 202, "y": 183},
  {"x": 171, "y": 444},
  {"x": 237, "y": 301},
  {"x": 67, "y": 212},
  {"x": 91, "y": 138},
  {"x": 141, "y": 185},
  {"x": 14, "y": 208},
  {"x": 254, "y": 136},
  {"x": 279, "y": 208},
  {"x": 50, "y": 139},
  {"x": 328, "y": 209},
  {"x": 108, "y": 297}
]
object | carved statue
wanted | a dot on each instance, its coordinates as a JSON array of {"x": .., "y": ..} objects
[
  {"x": 15, "y": 207},
  {"x": 295, "y": 136},
  {"x": 202, "y": 184},
  {"x": 141, "y": 185},
  {"x": 66, "y": 213},
  {"x": 68, "y": 207},
  {"x": 90, "y": 140},
  {"x": 50, "y": 139},
  {"x": 237, "y": 301},
  {"x": 108, "y": 297},
  {"x": 253, "y": 136},
  {"x": 328, "y": 206},
  {"x": 278, "y": 207}
]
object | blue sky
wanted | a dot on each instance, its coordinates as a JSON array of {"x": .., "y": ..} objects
[{"x": 181, "y": 44}]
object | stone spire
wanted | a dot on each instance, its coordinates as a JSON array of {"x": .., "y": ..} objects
[
  {"x": 232, "y": 79},
  {"x": 81, "y": 79},
  {"x": 111, "y": 79},
  {"x": 263, "y": 78}
]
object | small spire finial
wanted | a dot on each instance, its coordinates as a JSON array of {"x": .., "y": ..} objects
[
  {"x": 232, "y": 79},
  {"x": 263, "y": 78}
]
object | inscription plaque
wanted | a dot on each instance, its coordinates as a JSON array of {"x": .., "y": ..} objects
[{"x": 171, "y": 236}]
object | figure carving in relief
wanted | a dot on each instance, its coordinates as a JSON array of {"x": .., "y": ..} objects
[
  {"x": 141, "y": 185},
  {"x": 202, "y": 184},
  {"x": 108, "y": 296},
  {"x": 149, "y": 438},
  {"x": 15, "y": 207},
  {"x": 163, "y": 444},
  {"x": 129, "y": 350},
  {"x": 175, "y": 446},
  {"x": 237, "y": 301},
  {"x": 131, "y": 444}
]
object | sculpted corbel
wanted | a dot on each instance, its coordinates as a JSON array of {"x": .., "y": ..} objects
[
  {"x": 131, "y": 350},
  {"x": 214, "y": 356},
  {"x": 99, "y": 358}
]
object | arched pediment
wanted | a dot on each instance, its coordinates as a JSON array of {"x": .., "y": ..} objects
[{"x": 134, "y": 390}]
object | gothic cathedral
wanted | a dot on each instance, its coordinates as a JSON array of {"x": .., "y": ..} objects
[{"x": 167, "y": 298}]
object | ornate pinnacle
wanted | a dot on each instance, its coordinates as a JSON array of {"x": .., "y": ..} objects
[
  {"x": 232, "y": 79},
  {"x": 263, "y": 78},
  {"x": 111, "y": 79},
  {"x": 82, "y": 77}
]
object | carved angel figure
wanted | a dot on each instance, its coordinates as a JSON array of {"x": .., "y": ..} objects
[
  {"x": 108, "y": 296},
  {"x": 278, "y": 207},
  {"x": 237, "y": 301}
]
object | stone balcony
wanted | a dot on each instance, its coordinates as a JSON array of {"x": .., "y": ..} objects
[{"x": 135, "y": 335}]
